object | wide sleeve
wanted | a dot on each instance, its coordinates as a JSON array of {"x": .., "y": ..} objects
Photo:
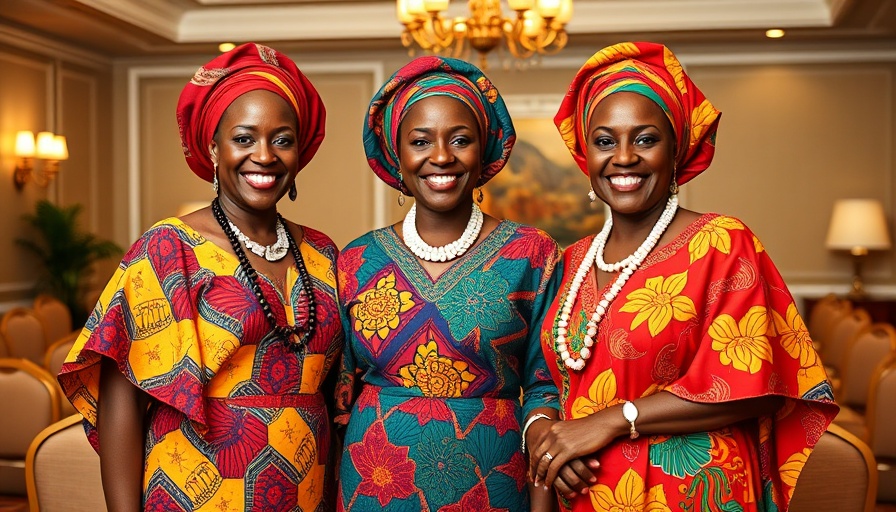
[
  {"x": 752, "y": 342},
  {"x": 145, "y": 322},
  {"x": 538, "y": 386},
  {"x": 348, "y": 374}
]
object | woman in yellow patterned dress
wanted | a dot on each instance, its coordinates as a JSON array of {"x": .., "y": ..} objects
[
  {"x": 199, "y": 373},
  {"x": 683, "y": 365}
]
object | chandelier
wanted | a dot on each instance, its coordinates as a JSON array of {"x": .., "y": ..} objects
[{"x": 537, "y": 29}]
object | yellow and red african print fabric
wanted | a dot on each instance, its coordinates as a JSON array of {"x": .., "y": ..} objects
[{"x": 238, "y": 420}]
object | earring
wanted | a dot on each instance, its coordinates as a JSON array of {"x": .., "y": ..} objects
[
  {"x": 215, "y": 179},
  {"x": 480, "y": 197},
  {"x": 400, "y": 190},
  {"x": 592, "y": 197},
  {"x": 673, "y": 188},
  {"x": 293, "y": 193}
]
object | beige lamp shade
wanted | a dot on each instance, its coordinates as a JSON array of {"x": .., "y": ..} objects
[{"x": 858, "y": 225}]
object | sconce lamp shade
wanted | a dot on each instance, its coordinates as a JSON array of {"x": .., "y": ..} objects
[
  {"x": 51, "y": 147},
  {"x": 858, "y": 225},
  {"x": 25, "y": 144}
]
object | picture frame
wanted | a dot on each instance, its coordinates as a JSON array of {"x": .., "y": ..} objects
[{"x": 541, "y": 185}]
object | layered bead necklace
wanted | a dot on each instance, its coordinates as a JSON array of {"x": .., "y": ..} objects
[
  {"x": 284, "y": 332},
  {"x": 626, "y": 268},
  {"x": 446, "y": 252}
]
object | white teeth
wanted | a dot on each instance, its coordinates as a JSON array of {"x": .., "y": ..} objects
[
  {"x": 260, "y": 179},
  {"x": 441, "y": 179},
  {"x": 625, "y": 181}
]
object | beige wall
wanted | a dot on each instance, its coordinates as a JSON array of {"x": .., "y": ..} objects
[
  {"x": 798, "y": 132},
  {"x": 40, "y": 91}
]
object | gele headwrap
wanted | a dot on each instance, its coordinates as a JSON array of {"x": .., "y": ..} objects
[
  {"x": 651, "y": 70},
  {"x": 436, "y": 76},
  {"x": 216, "y": 85}
]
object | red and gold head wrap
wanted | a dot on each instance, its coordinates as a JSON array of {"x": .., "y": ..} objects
[
  {"x": 216, "y": 85},
  {"x": 651, "y": 70}
]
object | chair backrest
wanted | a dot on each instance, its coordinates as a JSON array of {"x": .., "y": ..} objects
[
  {"x": 54, "y": 315},
  {"x": 63, "y": 470},
  {"x": 870, "y": 346},
  {"x": 58, "y": 351},
  {"x": 840, "y": 474},
  {"x": 881, "y": 411},
  {"x": 31, "y": 401},
  {"x": 53, "y": 359},
  {"x": 24, "y": 334},
  {"x": 824, "y": 316},
  {"x": 843, "y": 331}
]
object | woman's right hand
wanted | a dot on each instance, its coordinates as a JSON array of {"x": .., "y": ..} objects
[{"x": 566, "y": 441}]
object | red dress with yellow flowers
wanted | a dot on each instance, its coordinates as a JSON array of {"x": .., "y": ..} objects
[{"x": 708, "y": 318}]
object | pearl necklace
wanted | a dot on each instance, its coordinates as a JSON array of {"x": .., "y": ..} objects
[
  {"x": 274, "y": 252},
  {"x": 627, "y": 267},
  {"x": 447, "y": 252}
]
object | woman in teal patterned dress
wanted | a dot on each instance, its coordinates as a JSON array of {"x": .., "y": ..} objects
[{"x": 442, "y": 362}]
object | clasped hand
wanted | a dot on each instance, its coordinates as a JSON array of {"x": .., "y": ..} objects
[{"x": 563, "y": 453}]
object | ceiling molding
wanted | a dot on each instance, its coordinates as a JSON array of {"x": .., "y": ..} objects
[
  {"x": 48, "y": 47},
  {"x": 160, "y": 17},
  {"x": 217, "y": 20},
  {"x": 291, "y": 22}
]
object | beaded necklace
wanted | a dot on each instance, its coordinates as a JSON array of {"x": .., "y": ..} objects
[
  {"x": 625, "y": 268},
  {"x": 280, "y": 331},
  {"x": 447, "y": 252}
]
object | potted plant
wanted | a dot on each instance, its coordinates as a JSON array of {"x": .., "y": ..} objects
[{"x": 66, "y": 254}]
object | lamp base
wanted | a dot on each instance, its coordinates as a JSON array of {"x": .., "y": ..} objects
[{"x": 858, "y": 287}]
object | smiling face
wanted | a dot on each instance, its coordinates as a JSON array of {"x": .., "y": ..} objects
[
  {"x": 439, "y": 150},
  {"x": 256, "y": 151},
  {"x": 631, "y": 153}
]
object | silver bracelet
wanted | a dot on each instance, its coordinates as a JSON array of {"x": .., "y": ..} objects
[{"x": 529, "y": 422}]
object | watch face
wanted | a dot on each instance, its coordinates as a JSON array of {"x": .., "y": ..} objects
[{"x": 629, "y": 411}]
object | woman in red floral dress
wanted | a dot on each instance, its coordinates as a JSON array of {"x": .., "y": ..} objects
[{"x": 687, "y": 378}]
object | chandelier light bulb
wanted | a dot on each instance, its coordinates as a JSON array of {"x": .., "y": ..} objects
[
  {"x": 435, "y": 5},
  {"x": 521, "y": 5},
  {"x": 549, "y": 8}
]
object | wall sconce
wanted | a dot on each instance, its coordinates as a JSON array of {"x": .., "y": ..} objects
[
  {"x": 857, "y": 226},
  {"x": 48, "y": 147}
]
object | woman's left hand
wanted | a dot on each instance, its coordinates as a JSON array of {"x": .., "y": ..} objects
[{"x": 565, "y": 441}]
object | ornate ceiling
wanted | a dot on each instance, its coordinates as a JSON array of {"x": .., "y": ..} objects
[{"x": 137, "y": 28}]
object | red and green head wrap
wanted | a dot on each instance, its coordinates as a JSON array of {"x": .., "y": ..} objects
[
  {"x": 651, "y": 70},
  {"x": 436, "y": 76},
  {"x": 246, "y": 68}
]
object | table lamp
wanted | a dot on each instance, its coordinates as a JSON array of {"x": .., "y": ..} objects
[{"x": 858, "y": 226}]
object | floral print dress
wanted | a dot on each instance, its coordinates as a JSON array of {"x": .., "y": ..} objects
[
  {"x": 238, "y": 420},
  {"x": 708, "y": 318},
  {"x": 434, "y": 372}
]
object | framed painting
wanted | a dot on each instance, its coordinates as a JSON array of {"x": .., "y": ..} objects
[{"x": 541, "y": 185}]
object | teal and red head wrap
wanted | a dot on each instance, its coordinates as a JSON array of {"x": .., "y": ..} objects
[
  {"x": 651, "y": 70},
  {"x": 216, "y": 85},
  {"x": 436, "y": 76}
]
